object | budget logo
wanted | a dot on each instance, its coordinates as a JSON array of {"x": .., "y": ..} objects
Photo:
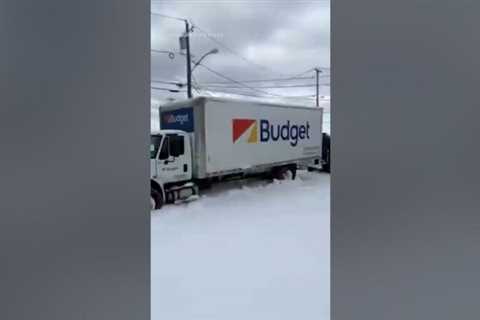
[
  {"x": 270, "y": 132},
  {"x": 241, "y": 126},
  {"x": 180, "y": 118}
]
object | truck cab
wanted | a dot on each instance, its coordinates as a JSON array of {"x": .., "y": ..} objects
[{"x": 170, "y": 166}]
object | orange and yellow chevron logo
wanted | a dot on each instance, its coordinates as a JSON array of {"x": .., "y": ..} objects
[{"x": 240, "y": 126}]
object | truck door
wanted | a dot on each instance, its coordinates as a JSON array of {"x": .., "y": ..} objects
[
  {"x": 155, "y": 143},
  {"x": 174, "y": 159}
]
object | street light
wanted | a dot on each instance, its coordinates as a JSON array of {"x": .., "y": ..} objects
[{"x": 213, "y": 51}]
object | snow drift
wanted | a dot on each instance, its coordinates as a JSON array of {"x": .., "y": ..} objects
[{"x": 244, "y": 250}]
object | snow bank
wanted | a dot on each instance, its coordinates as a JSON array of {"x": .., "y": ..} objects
[{"x": 252, "y": 250}]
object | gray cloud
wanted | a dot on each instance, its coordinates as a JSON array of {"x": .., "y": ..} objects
[{"x": 285, "y": 37}]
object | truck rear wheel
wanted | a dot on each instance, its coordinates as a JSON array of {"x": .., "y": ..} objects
[
  {"x": 326, "y": 152},
  {"x": 156, "y": 198},
  {"x": 326, "y": 167}
]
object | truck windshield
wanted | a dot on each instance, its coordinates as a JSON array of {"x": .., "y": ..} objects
[{"x": 155, "y": 141}]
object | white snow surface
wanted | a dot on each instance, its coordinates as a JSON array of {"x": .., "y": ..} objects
[{"x": 245, "y": 250}]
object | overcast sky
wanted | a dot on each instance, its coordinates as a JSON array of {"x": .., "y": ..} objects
[{"x": 278, "y": 38}]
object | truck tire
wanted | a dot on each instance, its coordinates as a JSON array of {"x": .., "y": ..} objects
[
  {"x": 326, "y": 167},
  {"x": 326, "y": 161},
  {"x": 326, "y": 152},
  {"x": 156, "y": 198},
  {"x": 293, "y": 170},
  {"x": 285, "y": 173}
]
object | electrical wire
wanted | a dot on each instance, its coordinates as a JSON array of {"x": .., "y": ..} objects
[
  {"x": 266, "y": 80},
  {"x": 167, "y": 16},
  {"x": 235, "y": 81},
  {"x": 268, "y": 87},
  {"x": 166, "y": 89},
  {"x": 241, "y": 83},
  {"x": 195, "y": 26},
  {"x": 307, "y": 97},
  {"x": 168, "y": 82},
  {"x": 234, "y": 93},
  {"x": 195, "y": 85}
]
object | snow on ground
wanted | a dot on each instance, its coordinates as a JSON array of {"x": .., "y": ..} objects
[{"x": 245, "y": 250}]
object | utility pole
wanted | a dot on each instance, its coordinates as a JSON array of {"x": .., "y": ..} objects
[
  {"x": 189, "y": 67},
  {"x": 317, "y": 71}
]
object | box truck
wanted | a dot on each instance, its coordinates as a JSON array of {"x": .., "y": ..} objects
[{"x": 205, "y": 139}]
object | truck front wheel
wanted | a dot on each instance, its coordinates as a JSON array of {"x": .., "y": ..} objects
[
  {"x": 156, "y": 199},
  {"x": 285, "y": 173}
]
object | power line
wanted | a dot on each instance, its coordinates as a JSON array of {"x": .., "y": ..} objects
[
  {"x": 195, "y": 84},
  {"x": 180, "y": 53},
  {"x": 209, "y": 91},
  {"x": 313, "y": 69},
  {"x": 266, "y": 80},
  {"x": 220, "y": 84},
  {"x": 178, "y": 84},
  {"x": 309, "y": 97},
  {"x": 171, "y": 55},
  {"x": 233, "y": 51},
  {"x": 225, "y": 47},
  {"x": 304, "y": 72},
  {"x": 166, "y": 89},
  {"x": 268, "y": 87},
  {"x": 163, "y": 81},
  {"x": 167, "y": 16},
  {"x": 304, "y": 96},
  {"x": 235, "y": 93},
  {"x": 237, "y": 82}
]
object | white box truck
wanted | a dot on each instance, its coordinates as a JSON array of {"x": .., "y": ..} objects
[{"x": 205, "y": 139}]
